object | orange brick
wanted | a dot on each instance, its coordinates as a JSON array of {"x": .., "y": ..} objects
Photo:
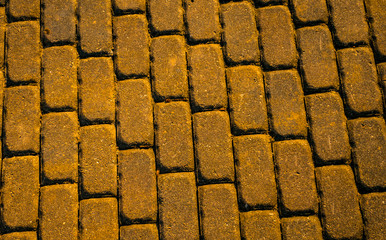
[
  {"x": 166, "y": 16},
  {"x": 129, "y": 6},
  {"x": 139, "y": 232},
  {"x": 20, "y": 236},
  {"x": 21, "y": 10},
  {"x": 260, "y": 225}
]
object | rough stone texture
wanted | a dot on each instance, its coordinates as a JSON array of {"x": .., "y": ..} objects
[
  {"x": 20, "y": 236},
  {"x": 295, "y": 228},
  {"x": 3, "y": 24},
  {"x": 268, "y": 2},
  {"x": 166, "y": 16},
  {"x": 21, "y": 9},
  {"x": 260, "y": 225},
  {"x": 382, "y": 81},
  {"x": 139, "y": 232},
  {"x": 373, "y": 207},
  {"x": 2, "y": 86},
  {"x": 129, "y": 6},
  {"x": 309, "y": 11},
  {"x": 377, "y": 18}
]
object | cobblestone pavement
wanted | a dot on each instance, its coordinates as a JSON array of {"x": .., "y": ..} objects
[{"x": 193, "y": 119}]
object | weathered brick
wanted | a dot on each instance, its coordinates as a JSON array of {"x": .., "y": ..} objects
[
  {"x": 178, "y": 213},
  {"x": 295, "y": 228},
  {"x": 137, "y": 186},
  {"x": 374, "y": 215},
  {"x": 20, "y": 192},
  {"x": 59, "y": 212},
  {"x": 317, "y": 58},
  {"x": 341, "y": 218},
  {"x": 213, "y": 147},
  {"x": 92, "y": 225},
  {"x": 22, "y": 119},
  {"x": 131, "y": 46},
  {"x": 169, "y": 70},
  {"x": 277, "y": 37},
  {"x": 173, "y": 137},
  {"x": 135, "y": 113},
  {"x": 166, "y": 16},
  {"x": 382, "y": 78},
  {"x": 368, "y": 136},
  {"x": 310, "y": 11},
  {"x": 260, "y": 225},
  {"x": 377, "y": 18},
  {"x": 95, "y": 27},
  {"x": 59, "y": 147},
  {"x": 20, "y": 236},
  {"x": 219, "y": 213},
  {"x": 131, "y": 6},
  {"x": 98, "y": 169},
  {"x": 328, "y": 127},
  {"x": 240, "y": 33},
  {"x": 59, "y": 78},
  {"x": 97, "y": 90},
  {"x": 255, "y": 172},
  {"x": 23, "y": 52},
  {"x": 2, "y": 87},
  {"x": 359, "y": 80},
  {"x": 3, "y": 18},
  {"x": 207, "y": 77},
  {"x": 139, "y": 232},
  {"x": 21, "y": 10}
]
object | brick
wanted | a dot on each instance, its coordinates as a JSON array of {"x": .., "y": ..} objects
[
  {"x": 137, "y": 186},
  {"x": 328, "y": 127},
  {"x": 377, "y": 18},
  {"x": 98, "y": 169},
  {"x": 260, "y": 225},
  {"x": 59, "y": 147},
  {"x": 207, "y": 77},
  {"x": 267, "y": 2},
  {"x": 59, "y": 78},
  {"x": 22, "y": 119},
  {"x": 240, "y": 33},
  {"x": 368, "y": 137},
  {"x": 213, "y": 147},
  {"x": 169, "y": 70},
  {"x": 21, "y": 10},
  {"x": 97, "y": 90},
  {"x": 20, "y": 192},
  {"x": 374, "y": 215},
  {"x": 381, "y": 67},
  {"x": 202, "y": 18},
  {"x": 59, "y": 212},
  {"x": 286, "y": 103},
  {"x": 310, "y": 11},
  {"x": 2, "y": 87},
  {"x": 277, "y": 37},
  {"x": 178, "y": 213},
  {"x": 359, "y": 80},
  {"x": 173, "y": 137},
  {"x": 92, "y": 225},
  {"x": 317, "y": 58},
  {"x": 166, "y": 16},
  {"x": 131, "y": 46},
  {"x": 219, "y": 213},
  {"x": 23, "y": 52},
  {"x": 95, "y": 27},
  {"x": 255, "y": 174},
  {"x": 301, "y": 228},
  {"x": 130, "y": 6},
  {"x": 139, "y": 232},
  {"x": 135, "y": 114},
  {"x": 20, "y": 236},
  {"x": 59, "y": 21},
  {"x": 341, "y": 218},
  {"x": 3, "y": 19}
]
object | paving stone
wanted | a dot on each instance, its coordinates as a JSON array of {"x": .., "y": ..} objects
[
  {"x": 92, "y": 225},
  {"x": 59, "y": 147},
  {"x": 328, "y": 127},
  {"x": 260, "y": 225},
  {"x": 3, "y": 19},
  {"x": 169, "y": 70},
  {"x": 240, "y": 33},
  {"x": 23, "y": 52},
  {"x": 135, "y": 114},
  {"x": 317, "y": 58},
  {"x": 96, "y": 90},
  {"x": 213, "y": 147},
  {"x": 20, "y": 236},
  {"x": 374, "y": 215},
  {"x": 129, "y": 6},
  {"x": 286, "y": 103},
  {"x": 219, "y": 213},
  {"x": 21, "y": 10},
  {"x": 295, "y": 175},
  {"x": 341, "y": 217},
  {"x": 59, "y": 78},
  {"x": 59, "y": 212},
  {"x": 368, "y": 137},
  {"x": 207, "y": 77},
  {"x": 309, "y": 11},
  {"x": 382, "y": 80},
  {"x": 22, "y": 119},
  {"x": 20, "y": 192},
  {"x": 178, "y": 215},
  {"x": 139, "y": 232},
  {"x": 173, "y": 137},
  {"x": 137, "y": 186},
  {"x": 267, "y": 2},
  {"x": 277, "y": 37},
  {"x": 98, "y": 162},
  {"x": 255, "y": 174},
  {"x": 2, "y": 87},
  {"x": 359, "y": 80},
  {"x": 377, "y": 18},
  {"x": 295, "y": 228},
  {"x": 131, "y": 46},
  {"x": 166, "y": 16}
]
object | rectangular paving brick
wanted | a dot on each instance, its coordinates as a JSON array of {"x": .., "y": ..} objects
[
  {"x": 207, "y": 77},
  {"x": 59, "y": 212},
  {"x": 139, "y": 232},
  {"x": 373, "y": 206},
  {"x": 381, "y": 67},
  {"x": 255, "y": 174},
  {"x": 377, "y": 19},
  {"x": 98, "y": 161},
  {"x": 166, "y": 16},
  {"x": 137, "y": 186},
  {"x": 169, "y": 70},
  {"x": 3, "y": 18},
  {"x": 295, "y": 228},
  {"x": 20, "y": 235},
  {"x": 178, "y": 215},
  {"x": 173, "y": 137},
  {"x": 129, "y": 6},
  {"x": 22, "y": 10},
  {"x": 219, "y": 213},
  {"x": 20, "y": 192},
  {"x": 2, "y": 89},
  {"x": 23, "y": 52},
  {"x": 341, "y": 218},
  {"x": 309, "y": 11},
  {"x": 260, "y": 225},
  {"x": 135, "y": 114}
]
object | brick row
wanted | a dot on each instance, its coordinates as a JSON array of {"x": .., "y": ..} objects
[
  {"x": 377, "y": 19},
  {"x": 166, "y": 16}
]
